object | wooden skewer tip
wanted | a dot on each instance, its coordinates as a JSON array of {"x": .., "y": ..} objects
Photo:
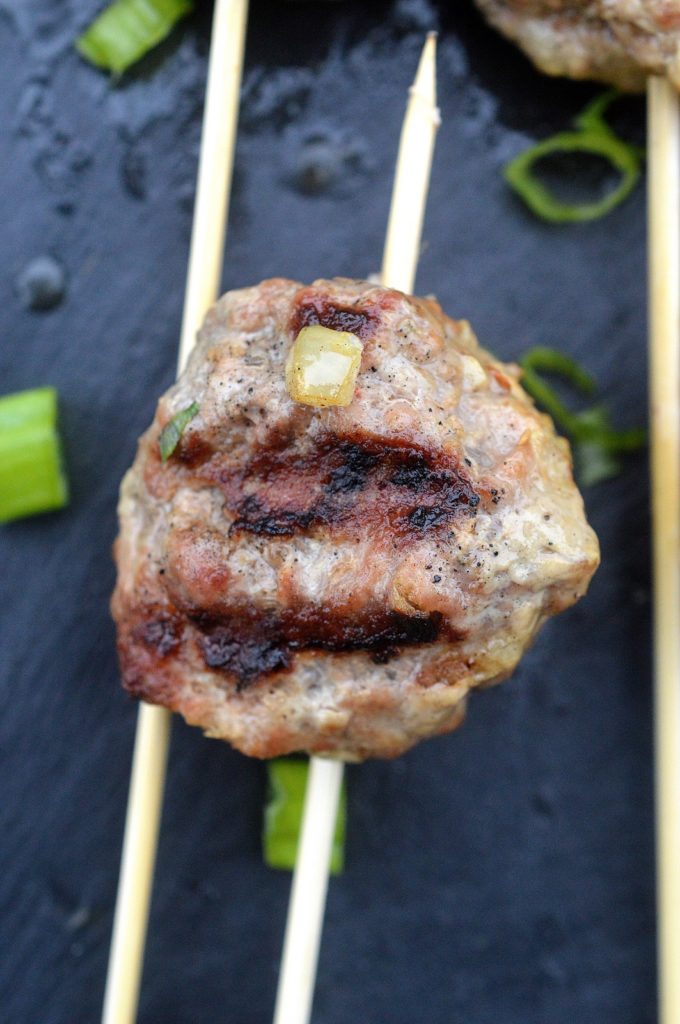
[{"x": 412, "y": 175}]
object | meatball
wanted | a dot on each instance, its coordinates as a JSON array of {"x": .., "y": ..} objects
[
  {"x": 337, "y": 579},
  {"x": 614, "y": 41}
]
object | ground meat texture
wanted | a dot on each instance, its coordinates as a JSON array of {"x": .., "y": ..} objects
[
  {"x": 614, "y": 41},
  {"x": 336, "y": 580}
]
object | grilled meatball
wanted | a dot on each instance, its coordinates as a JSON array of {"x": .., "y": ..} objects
[
  {"x": 335, "y": 580},
  {"x": 615, "y": 41}
]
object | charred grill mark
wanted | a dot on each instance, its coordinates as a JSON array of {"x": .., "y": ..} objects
[
  {"x": 251, "y": 648},
  {"x": 425, "y": 519},
  {"x": 352, "y": 473},
  {"x": 394, "y": 487},
  {"x": 255, "y": 517},
  {"x": 357, "y": 484},
  {"x": 447, "y": 499},
  {"x": 414, "y": 472},
  {"x": 246, "y": 658},
  {"x": 312, "y": 311},
  {"x": 384, "y": 633}
]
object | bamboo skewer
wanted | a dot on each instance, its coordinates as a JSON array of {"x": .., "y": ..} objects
[
  {"x": 664, "y": 372},
  {"x": 412, "y": 175},
  {"x": 308, "y": 893},
  {"x": 145, "y": 798},
  {"x": 400, "y": 259}
]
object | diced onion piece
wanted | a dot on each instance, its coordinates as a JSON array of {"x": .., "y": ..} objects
[
  {"x": 283, "y": 816},
  {"x": 31, "y": 475},
  {"x": 322, "y": 366},
  {"x": 473, "y": 375},
  {"x": 126, "y": 30}
]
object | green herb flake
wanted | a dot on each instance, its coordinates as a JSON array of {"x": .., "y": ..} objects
[
  {"x": 592, "y": 135},
  {"x": 171, "y": 433},
  {"x": 287, "y": 783},
  {"x": 32, "y": 478},
  {"x": 126, "y": 30},
  {"x": 596, "y": 444}
]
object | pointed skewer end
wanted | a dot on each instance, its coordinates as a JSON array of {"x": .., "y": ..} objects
[{"x": 425, "y": 83}]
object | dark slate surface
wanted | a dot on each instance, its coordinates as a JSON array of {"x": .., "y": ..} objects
[{"x": 503, "y": 874}]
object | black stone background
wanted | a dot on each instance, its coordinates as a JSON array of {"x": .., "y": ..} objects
[{"x": 503, "y": 874}]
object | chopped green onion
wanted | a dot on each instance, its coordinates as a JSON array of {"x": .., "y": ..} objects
[
  {"x": 593, "y": 135},
  {"x": 538, "y": 197},
  {"x": 126, "y": 30},
  {"x": 592, "y": 118},
  {"x": 595, "y": 424},
  {"x": 283, "y": 816},
  {"x": 549, "y": 360},
  {"x": 31, "y": 474},
  {"x": 596, "y": 443},
  {"x": 594, "y": 463},
  {"x": 171, "y": 433}
]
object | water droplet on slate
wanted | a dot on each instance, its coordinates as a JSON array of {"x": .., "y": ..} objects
[{"x": 41, "y": 284}]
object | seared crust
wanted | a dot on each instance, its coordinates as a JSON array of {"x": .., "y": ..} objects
[
  {"x": 614, "y": 41},
  {"x": 336, "y": 580}
]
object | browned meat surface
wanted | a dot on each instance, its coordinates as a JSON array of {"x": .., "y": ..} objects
[
  {"x": 336, "y": 580},
  {"x": 615, "y": 41}
]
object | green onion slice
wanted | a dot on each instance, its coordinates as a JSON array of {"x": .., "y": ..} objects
[
  {"x": 594, "y": 463},
  {"x": 32, "y": 479},
  {"x": 593, "y": 117},
  {"x": 126, "y": 30},
  {"x": 171, "y": 433},
  {"x": 596, "y": 443},
  {"x": 548, "y": 360},
  {"x": 593, "y": 135},
  {"x": 287, "y": 779}
]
